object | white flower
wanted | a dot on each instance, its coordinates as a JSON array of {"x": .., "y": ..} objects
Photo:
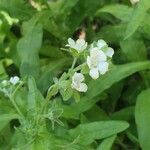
[
  {"x": 77, "y": 84},
  {"x": 109, "y": 52},
  {"x": 78, "y": 45},
  {"x": 14, "y": 80},
  {"x": 134, "y": 1},
  {"x": 97, "y": 62}
]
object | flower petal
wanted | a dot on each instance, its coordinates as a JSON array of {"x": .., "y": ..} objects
[
  {"x": 14, "y": 80},
  {"x": 98, "y": 55},
  {"x": 80, "y": 45},
  {"x": 101, "y": 43},
  {"x": 82, "y": 88},
  {"x": 109, "y": 52},
  {"x": 103, "y": 67},
  {"x": 94, "y": 73},
  {"x": 80, "y": 42},
  {"x": 84, "y": 46},
  {"x": 77, "y": 77},
  {"x": 71, "y": 42}
]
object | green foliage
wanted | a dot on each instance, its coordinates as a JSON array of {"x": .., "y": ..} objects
[
  {"x": 142, "y": 118},
  {"x": 97, "y": 130},
  {"x": 28, "y": 48},
  {"x": 107, "y": 143},
  {"x": 42, "y": 111}
]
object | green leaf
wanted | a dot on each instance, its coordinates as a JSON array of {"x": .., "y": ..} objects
[
  {"x": 48, "y": 72},
  {"x": 104, "y": 82},
  {"x": 142, "y": 117},
  {"x": 52, "y": 91},
  {"x": 134, "y": 48},
  {"x": 89, "y": 132},
  {"x": 126, "y": 114},
  {"x": 120, "y": 11},
  {"x": 107, "y": 143},
  {"x": 34, "y": 97},
  {"x": 137, "y": 17},
  {"x": 6, "y": 118},
  {"x": 66, "y": 93},
  {"x": 96, "y": 114},
  {"x": 17, "y": 8},
  {"x": 76, "y": 96},
  {"x": 28, "y": 47},
  {"x": 81, "y": 10},
  {"x": 111, "y": 33}
]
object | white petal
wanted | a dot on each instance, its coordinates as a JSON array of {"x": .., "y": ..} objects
[
  {"x": 71, "y": 42},
  {"x": 74, "y": 86},
  {"x": 94, "y": 51},
  {"x": 78, "y": 48},
  {"x": 77, "y": 77},
  {"x": 94, "y": 73},
  {"x": 84, "y": 46},
  {"x": 98, "y": 55},
  {"x": 103, "y": 67},
  {"x": 80, "y": 45},
  {"x": 14, "y": 80},
  {"x": 134, "y": 1},
  {"x": 82, "y": 88},
  {"x": 80, "y": 42},
  {"x": 101, "y": 43},
  {"x": 109, "y": 52}
]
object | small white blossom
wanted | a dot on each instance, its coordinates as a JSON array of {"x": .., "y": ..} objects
[
  {"x": 134, "y": 1},
  {"x": 109, "y": 52},
  {"x": 14, "y": 80},
  {"x": 97, "y": 62},
  {"x": 77, "y": 82},
  {"x": 78, "y": 45}
]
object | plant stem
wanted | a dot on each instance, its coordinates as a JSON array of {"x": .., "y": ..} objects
[
  {"x": 74, "y": 62},
  {"x": 17, "y": 88},
  {"x": 16, "y": 107}
]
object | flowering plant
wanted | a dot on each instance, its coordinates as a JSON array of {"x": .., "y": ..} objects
[{"x": 87, "y": 92}]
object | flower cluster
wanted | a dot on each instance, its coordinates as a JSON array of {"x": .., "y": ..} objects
[
  {"x": 6, "y": 85},
  {"x": 97, "y": 58},
  {"x": 97, "y": 61}
]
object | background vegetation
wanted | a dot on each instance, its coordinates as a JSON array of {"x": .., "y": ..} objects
[{"x": 114, "y": 113}]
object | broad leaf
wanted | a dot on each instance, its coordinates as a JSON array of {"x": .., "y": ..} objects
[
  {"x": 137, "y": 17},
  {"x": 28, "y": 47},
  {"x": 104, "y": 82},
  {"x": 89, "y": 132},
  {"x": 121, "y": 12},
  {"x": 142, "y": 117},
  {"x": 6, "y": 118},
  {"x": 107, "y": 143}
]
